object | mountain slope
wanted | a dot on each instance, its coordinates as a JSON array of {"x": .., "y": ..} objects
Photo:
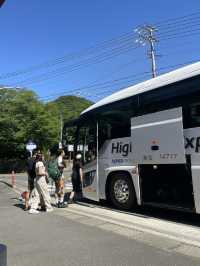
[{"x": 69, "y": 107}]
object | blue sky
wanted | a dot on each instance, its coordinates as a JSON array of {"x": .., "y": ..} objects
[{"x": 34, "y": 32}]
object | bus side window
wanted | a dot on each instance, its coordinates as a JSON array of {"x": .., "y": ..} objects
[
  {"x": 104, "y": 133},
  {"x": 121, "y": 131},
  {"x": 90, "y": 143},
  {"x": 195, "y": 115},
  {"x": 186, "y": 117}
]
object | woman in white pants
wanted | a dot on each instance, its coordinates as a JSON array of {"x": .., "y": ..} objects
[{"x": 41, "y": 187}]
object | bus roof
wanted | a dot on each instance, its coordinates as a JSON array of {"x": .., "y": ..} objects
[{"x": 151, "y": 84}]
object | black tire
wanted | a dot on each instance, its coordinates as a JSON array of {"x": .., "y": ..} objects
[{"x": 121, "y": 191}]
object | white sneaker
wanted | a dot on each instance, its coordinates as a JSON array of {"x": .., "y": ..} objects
[
  {"x": 33, "y": 211},
  {"x": 49, "y": 210}
]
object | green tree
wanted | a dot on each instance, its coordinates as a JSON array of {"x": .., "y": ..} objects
[{"x": 24, "y": 117}]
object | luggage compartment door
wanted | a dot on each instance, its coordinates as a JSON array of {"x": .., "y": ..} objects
[{"x": 158, "y": 138}]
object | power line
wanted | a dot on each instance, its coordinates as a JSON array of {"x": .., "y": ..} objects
[
  {"x": 107, "y": 84},
  {"x": 91, "y": 86},
  {"x": 162, "y": 55},
  {"x": 134, "y": 61},
  {"x": 162, "y": 69},
  {"x": 178, "y": 30},
  {"x": 177, "y": 33},
  {"x": 58, "y": 73},
  {"x": 170, "y": 21},
  {"x": 119, "y": 69},
  {"x": 181, "y": 35},
  {"x": 84, "y": 63},
  {"x": 73, "y": 56},
  {"x": 114, "y": 43}
]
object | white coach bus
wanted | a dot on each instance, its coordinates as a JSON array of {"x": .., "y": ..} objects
[{"x": 141, "y": 145}]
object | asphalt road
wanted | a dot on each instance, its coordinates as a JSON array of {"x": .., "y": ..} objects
[{"x": 57, "y": 238}]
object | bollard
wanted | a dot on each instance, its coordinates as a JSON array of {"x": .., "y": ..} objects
[
  {"x": 13, "y": 179},
  {"x": 3, "y": 255}
]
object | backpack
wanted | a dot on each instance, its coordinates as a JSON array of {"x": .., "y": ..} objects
[{"x": 53, "y": 170}]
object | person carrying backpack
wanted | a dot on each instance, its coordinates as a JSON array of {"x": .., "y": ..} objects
[{"x": 55, "y": 171}]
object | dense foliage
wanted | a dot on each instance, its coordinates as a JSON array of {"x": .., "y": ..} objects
[{"x": 23, "y": 117}]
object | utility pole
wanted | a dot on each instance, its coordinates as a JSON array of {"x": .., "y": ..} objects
[{"x": 146, "y": 35}]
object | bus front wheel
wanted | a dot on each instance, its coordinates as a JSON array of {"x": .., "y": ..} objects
[{"x": 121, "y": 191}]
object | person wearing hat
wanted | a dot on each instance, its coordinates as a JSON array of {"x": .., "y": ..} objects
[{"x": 77, "y": 176}]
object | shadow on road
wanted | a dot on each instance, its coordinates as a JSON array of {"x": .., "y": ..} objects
[
  {"x": 19, "y": 205},
  {"x": 5, "y": 183}
]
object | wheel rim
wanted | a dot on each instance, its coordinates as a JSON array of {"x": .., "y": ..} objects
[{"x": 121, "y": 191}]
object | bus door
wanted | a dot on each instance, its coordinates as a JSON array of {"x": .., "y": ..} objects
[
  {"x": 158, "y": 148},
  {"x": 87, "y": 145}
]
